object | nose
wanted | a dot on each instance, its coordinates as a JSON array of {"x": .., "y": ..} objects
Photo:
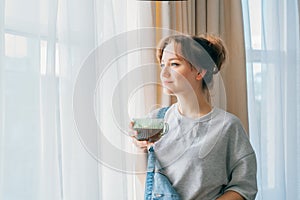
[{"x": 165, "y": 72}]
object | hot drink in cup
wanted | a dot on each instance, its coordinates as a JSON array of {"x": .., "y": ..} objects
[{"x": 149, "y": 129}]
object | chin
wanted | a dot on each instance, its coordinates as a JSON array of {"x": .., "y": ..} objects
[{"x": 168, "y": 91}]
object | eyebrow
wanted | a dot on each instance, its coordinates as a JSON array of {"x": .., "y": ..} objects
[{"x": 172, "y": 59}]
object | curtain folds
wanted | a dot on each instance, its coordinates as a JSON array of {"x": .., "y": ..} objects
[
  {"x": 273, "y": 71},
  {"x": 43, "y": 46},
  {"x": 225, "y": 19},
  {"x": 2, "y": 111}
]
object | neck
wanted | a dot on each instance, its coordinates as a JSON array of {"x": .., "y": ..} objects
[{"x": 193, "y": 106}]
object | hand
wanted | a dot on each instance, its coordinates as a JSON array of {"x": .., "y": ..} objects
[
  {"x": 231, "y": 195},
  {"x": 143, "y": 145}
]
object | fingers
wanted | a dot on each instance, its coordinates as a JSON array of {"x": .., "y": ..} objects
[
  {"x": 131, "y": 124},
  {"x": 142, "y": 145},
  {"x": 150, "y": 144},
  {"x": 131, "y": 131}
]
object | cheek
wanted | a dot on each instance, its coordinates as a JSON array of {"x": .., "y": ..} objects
[
  {"x": 181, "y": 75},
  {"x": 161, "y": 74}
]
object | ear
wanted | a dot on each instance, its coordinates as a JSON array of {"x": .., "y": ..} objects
[{"x": 201, "y": 74}]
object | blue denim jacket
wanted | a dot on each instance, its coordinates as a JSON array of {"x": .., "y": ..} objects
[{"x": 158, "y": 186}]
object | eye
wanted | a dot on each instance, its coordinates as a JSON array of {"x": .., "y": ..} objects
[
  {"x": 175, "y": 64},
  {"x": 162, "y": 65}
]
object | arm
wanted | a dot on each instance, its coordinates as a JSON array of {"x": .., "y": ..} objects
[
  {"x": 242, "y": 180},
  {"x": 231, "y": 195},
  {"x": 141, "y": 148},
  {"x": 241, "y": 167}
]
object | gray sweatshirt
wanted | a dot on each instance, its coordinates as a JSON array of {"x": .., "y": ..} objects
[{"x": 205, "y": 157}]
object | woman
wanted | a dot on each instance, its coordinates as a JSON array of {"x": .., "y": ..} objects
[{"x": 206, "y": 153}]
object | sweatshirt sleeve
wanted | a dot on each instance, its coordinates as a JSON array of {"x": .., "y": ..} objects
[
  {"x": 242, "y": 166},
  {"x": 243, "y": 177}
]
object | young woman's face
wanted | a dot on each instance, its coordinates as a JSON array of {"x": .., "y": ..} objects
[{"x": 176, "y": 75}]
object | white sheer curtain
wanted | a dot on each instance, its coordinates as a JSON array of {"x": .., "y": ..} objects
[
  {"x": 273, "y": 77},
  {"x": 43, "y": 46}
]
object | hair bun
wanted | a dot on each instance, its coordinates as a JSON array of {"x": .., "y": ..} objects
[{"x": 216, "y": 48}]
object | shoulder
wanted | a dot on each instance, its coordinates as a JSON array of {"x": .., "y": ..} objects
[
  {"x": 231, "y": 129},
  {"x": 237, "y": 140},
  {"x": 154, "y": 113},
  {"x": 229, "y": 121}
]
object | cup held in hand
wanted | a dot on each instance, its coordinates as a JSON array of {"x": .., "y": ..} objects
[{"x": 148, "y": 128}]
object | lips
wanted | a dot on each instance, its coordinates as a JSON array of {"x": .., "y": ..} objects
[{"x": 167, "y": 82}]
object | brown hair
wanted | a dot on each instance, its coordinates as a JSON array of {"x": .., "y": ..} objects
[{"x": 202, "y": 52}]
